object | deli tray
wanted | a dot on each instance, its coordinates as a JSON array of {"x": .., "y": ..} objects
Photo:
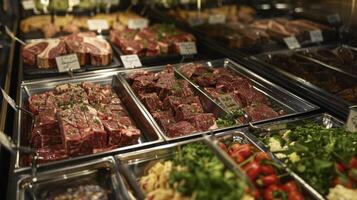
[
  {"x": 125, "y": 112},
  {"x": 284, "y": 102}
]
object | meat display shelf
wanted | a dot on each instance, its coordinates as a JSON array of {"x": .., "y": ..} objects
[
  {"x": 33, "y": 72},
  {"x": 23, "y": 121},
  {"x": 272, "y": 44},
  {"x": 101, "y": 173},
  {"x": 323, "y": 119},
  {"x": 344, "y": 64},
  {"x": 303, "y": 87},
  {"x": 290, "y": 103}
]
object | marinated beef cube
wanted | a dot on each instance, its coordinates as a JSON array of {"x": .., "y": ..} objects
[
  {"x": 114, "y": 132},
  {"x": 120, "y": 133},
  {"x": 63, "y": 88},
  {"x": 203, "y": 121},
  {"x": 215, "y": 93},
  {"x": 47, "y": 119},
  {"x": 185, "y": 111},
  {"x": 181, "y": 128},
  {"x": 182, "y": 88},
  {"x": 164, "y": 119},
  {"x": 77, "y": 134},
  {"x": 40, "y": 140},
  {"x": 260, "y": 112},
  {"x": 151, "y": 101},
  {"x": 132, "y": 77},
  {"x": 100, "y": 138},
  {"x": 192, "y": 69},
  {"x": 51, "y": 153},
  {"x": 172, "y": 102},
  {"x": 37, "y": 102},
  {"x": 125, "y": 122},
  {"x": 129, "y": 136},
  {"x": 249, "y": 95},
  {"x": 206, "y": 80}
]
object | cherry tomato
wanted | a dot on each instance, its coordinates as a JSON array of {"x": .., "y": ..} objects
[
  {"x": 262, "y": 156},
  {"x": 353, "y": 163},
  {"x": 245, "y": 150},
  {"x": 290, "y": 186},
  {"x": 270, "y": 180},
  {"x": 253, "y": 170},
  {"x": 235, "y": 147},
  {"x": 340, "y": 167},
  {"x": 268, "y": 169},
  {"x": 271, "y": 190},
  {"x": 295, "y": 195},
  {"x": 223, "y": 146}
]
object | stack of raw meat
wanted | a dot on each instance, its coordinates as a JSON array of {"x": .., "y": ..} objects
[
  {"x": 79, "y": 119},
  {"x": 223, "y": 81},
  {"x": 171, "y": 102},
  {"x": 89, "y": 48},
  {"x": 159, "y": 39}
]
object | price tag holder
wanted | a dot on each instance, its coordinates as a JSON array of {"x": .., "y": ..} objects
[
  {"x": 316, "y": 36},
  {"x": 28, "y": 4},
  {"x": 187, "y": 48},
  {"x": 196, "y": 21},
  {"x": 228, "y": 102},
  {"x": 292, "y": 42},
  {"x": 352, "y": 119},
  {"x": 217, "y": 19},
  {"x": 334, "y": 19},
  {"x": 131, "y": 61},
  {"x": 139, "y": 23},
  {"x": 9, "y": 100},
  {"x": 97, "y": 24},
  {"x": 67, "y": 63}
]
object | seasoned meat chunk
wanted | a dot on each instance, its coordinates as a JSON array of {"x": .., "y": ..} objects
[
  {"x": 181, "y": 128},
  {"x": 203, "y": 121},
  {"x": 185, "y": 111},
  {"x": 151, "y": 101}
]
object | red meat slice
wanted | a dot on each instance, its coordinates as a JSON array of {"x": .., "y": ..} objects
[
  {"x": 185, "y": 111},
  {"x": 151, "y": 101},
  {"x": 181, "y": 128},
  {"x": 260, "y": 112},
  {"x": 203, "y": 121}
]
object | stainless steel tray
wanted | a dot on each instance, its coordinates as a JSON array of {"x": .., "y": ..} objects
[
  {"x": 280, "y": 98},
  {"x": 149, "y": 133},
  {"x": 139, "y": 162},
  {"x": 102, "y": 172},
  {"x": 207, "y": 103},
  {"x": 301, "y": 86},
  {"x": 241, "y": 137},
  {"x": 340, "y": 69},
  {"x": 324, "y": 119}
]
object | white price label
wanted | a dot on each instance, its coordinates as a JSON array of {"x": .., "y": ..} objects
[
  {"x": 131, "y": 61},
  {"x": 9, "y": 99},
  {"x": 316, "y": 36},
  {"x": 28, "y": 4},
  {"x": 196, "y": 21},
  {"x": 72, "y": 3},
  {"x": 187, "y": 48},
  {"x": 352, "y": 119},
  {"x": 292, "y": 42},
  {"x": 97, "y": 24},
  {"x": 217, "y": 19},
  {"x": 228, "y": 102},
  {"x": 67, "y": 62},
  {"x": 334, "y": 19},
  {"x": 138, "y": 23}
]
